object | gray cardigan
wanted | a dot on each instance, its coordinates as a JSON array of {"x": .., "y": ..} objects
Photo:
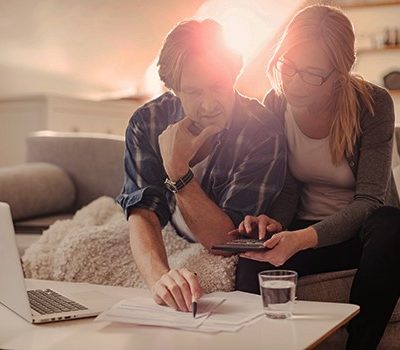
[{"x": 370, "y": 164}]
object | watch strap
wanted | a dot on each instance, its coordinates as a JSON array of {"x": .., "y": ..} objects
[{"x": 175, "y": 186}]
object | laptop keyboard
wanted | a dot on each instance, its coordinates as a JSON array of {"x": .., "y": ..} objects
[{"x": 47, "y": 301}]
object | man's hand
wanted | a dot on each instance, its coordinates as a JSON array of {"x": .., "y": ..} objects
[
  {"x": 178, "y": 146},
  {"x": 177, "y": 288}
]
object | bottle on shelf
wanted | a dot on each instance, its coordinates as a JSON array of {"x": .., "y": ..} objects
[
  {"x": 387, "y": 38},
  {"x": 391, "y": 37}
]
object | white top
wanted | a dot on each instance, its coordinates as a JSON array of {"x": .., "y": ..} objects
[
  {"x": 326, "y": 187},
  {"x": 177, "y": 218}
]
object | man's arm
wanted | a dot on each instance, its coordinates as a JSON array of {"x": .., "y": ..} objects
[
  {"x": 147, "y": 245},
  {"x": 175, "y": 288},
  {"x": 145, "y": 204},
  {"x": 204, "y": 218},
  {"x": 249, "y": 190}
]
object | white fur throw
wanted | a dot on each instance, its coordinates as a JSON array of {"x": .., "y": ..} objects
[{"x": 94, "y": 247}]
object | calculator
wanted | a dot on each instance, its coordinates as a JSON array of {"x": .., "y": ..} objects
[{"x": 242, "y": 244}]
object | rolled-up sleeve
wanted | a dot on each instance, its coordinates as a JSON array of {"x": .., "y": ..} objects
[{"x": 144, "y": 172}]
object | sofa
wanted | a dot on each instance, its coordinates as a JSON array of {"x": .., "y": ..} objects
[{"x": 65, "y": 171}]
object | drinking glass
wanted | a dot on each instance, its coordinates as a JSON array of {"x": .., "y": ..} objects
[{"x": 278, "y": 292}]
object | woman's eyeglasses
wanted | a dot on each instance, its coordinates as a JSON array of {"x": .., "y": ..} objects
[{"x": 290, "y": 70}]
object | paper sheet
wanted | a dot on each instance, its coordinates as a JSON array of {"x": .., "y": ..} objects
[
  {"x": 218, "y": 311},
  {"x": 238, "y": 308},
  {"x": 145, "y": 311}
]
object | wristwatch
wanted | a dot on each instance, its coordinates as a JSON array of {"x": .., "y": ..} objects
[{"x": 175, "y": 186}]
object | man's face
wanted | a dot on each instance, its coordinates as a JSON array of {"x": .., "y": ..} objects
[{"x": 206, "y": 91}]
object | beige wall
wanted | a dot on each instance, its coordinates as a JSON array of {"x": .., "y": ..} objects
[
  {"x": 21, "y": 116},
  {"x": 370, "y": 24},
  {"x": 86, "y": 49}
]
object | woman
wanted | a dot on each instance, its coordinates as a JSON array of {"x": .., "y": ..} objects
[{"x": 341, "y": 206}]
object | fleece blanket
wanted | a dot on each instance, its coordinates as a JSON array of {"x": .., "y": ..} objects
[{"x": 94, "y": 247}]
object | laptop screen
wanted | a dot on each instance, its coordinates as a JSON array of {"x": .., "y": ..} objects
[{"x": 12, "y": 283}]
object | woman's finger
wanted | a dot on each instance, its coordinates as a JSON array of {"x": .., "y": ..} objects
[
  {"x": 273, "y": 227},
  {"x": 263, "y": 222},
  {"x": 248, "y": 223}
]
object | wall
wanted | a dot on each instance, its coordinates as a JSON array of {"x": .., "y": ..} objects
[
  {"x": 370, "y": 23},
  {"x": 85, "y": 49},
  {"x": 21, "y": 116}
]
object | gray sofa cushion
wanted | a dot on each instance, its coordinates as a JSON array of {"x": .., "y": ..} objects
[
  {"x": 36, "y": 189},
  {"x": 93, "y": 161}
]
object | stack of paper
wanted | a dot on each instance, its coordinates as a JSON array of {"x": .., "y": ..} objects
[
  {"x": 217, "y": 312},
  {"x": 146, "y": 312}
]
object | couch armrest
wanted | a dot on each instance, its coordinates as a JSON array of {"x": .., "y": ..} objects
[
  {"x": 93, "y": 161},
  {"x": 35, "y": 189},
  {"x": 396, "y": 149}
]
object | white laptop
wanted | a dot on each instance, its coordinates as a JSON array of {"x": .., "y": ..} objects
[{"x": 45, "y": 305}]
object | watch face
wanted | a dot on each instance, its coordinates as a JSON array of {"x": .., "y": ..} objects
[{"x": 170, "y": 185}]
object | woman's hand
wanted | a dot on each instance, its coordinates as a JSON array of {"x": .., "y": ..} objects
[
  {"x": 257, "y": 226},
  {"x": 284, "y": 245}
]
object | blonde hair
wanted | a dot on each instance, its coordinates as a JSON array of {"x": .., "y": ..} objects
[
  {"x": 193, "y": 37},
  {"x": 334, "y": 31}
]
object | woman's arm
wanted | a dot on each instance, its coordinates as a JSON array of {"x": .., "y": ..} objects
[
  {"x": 373, "y": 173},
  {"x": 373, "y": 176}
]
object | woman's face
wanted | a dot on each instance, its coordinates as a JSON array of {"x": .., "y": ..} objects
[{"x": 302, "y": 69}]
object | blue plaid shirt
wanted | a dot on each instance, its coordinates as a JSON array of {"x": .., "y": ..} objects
[{"x": 244, "y": 172}]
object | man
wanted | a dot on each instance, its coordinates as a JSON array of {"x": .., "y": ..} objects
[{"x": 201, "y": 156}]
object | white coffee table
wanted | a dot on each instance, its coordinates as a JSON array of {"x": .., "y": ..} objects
[{"x": 312, "y": 322}]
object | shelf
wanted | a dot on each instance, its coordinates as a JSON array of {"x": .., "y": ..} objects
[
  {"x": 367, "y": 4},
  {"x": 379, "y": 49}
]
